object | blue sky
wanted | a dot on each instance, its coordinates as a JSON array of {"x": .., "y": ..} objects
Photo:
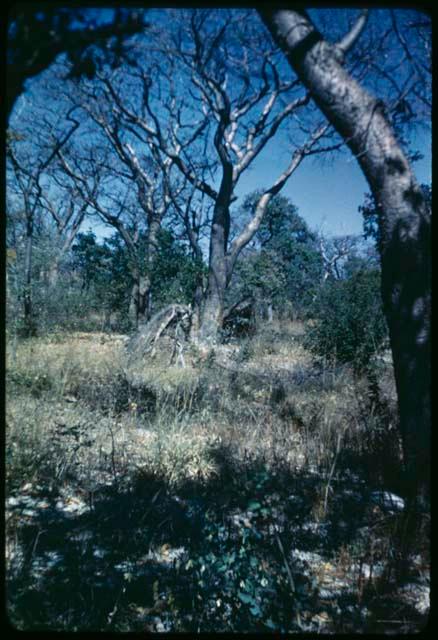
[{"x": 326, "y": 192}]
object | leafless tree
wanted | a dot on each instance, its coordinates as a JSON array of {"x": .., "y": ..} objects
[
  {"x": 209, "y": 108},
  {"x": 29, "y": 173},
  {"x": 334, "y": 251},
  {"x": 109, "y": 195},
  {"x": 68, "y": 213},
  {"x": 363, "y": 122}
]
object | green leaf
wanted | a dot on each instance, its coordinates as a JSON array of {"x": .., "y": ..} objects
[
  {"x": 246, "y": 598},
  {"x": 255, "y": 610},
  {"x": 253, "y": 505}
]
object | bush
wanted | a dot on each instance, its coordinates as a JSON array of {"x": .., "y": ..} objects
[{"x": 350, "y": 326}]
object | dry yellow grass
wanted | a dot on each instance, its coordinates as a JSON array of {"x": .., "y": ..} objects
[
  {"x": 91, "y": 352},
  {"x": 88, "y": 380}
]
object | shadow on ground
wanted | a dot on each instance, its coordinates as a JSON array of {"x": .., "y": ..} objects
[{"x": 249, "y": 551}]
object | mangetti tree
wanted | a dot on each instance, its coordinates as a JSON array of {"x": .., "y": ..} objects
[
  {"x": 334, "y": 253},
  {"x": 30, "y": 155},
  {"x": 366, "y": 123},
  {"x": 130, "y": 204},
  {"x": 208, "y": 94},
  {"x": 67, "y": 212},
  {"x": 149, "y": 173},
  {"x": 191, "y": 215}
]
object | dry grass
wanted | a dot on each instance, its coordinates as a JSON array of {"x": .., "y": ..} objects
[
  {"x": 265, "y": 401},
  {"x": 86, "y": 421}
]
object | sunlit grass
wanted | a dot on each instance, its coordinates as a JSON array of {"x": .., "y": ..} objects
[{"x": 240, "y": 427}]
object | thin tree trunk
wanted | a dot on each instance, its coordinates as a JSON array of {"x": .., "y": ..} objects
[
  {"x": 29, "y": 325},
  {"x": 133, "y": 306},
  {"x": 146, "y": 307},
  {"x": 140, "y": 301},
  {"x": 197, "y": 306},
  {"x": 53, "y": 273},
  {"x": 404, "y": 222},
  {"x": 144, "y": 299}
]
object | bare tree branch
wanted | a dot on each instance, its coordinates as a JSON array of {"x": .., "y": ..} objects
[{"x": 350, "y": 38}]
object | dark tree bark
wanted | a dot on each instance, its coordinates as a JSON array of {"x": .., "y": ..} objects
[
  {"x": 213, "y": 303},
  {"x": 139, "y": 307},
  {"x": 404, "y": 221}
]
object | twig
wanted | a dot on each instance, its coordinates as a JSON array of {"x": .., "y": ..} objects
[
  {"x": 332, "y": 470},
  {"x": 393, "y": 621},
  {"x": 116, "y": 606},
  {"x": 113, "y": 461},
  {"x": 37, "y": 537},
  {"x": 288, "y": 570},
  {"x": 154, "y": 499}
]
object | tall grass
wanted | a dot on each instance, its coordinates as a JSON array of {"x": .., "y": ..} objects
[
  {"x": 241, "y": 426},
  {"x": 266, "y": 401}
]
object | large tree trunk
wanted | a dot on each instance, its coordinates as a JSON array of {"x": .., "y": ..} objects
[
  {"x": 213, "y": 303},
  {"x": 404, "y": 222},
  {"x": 212, "y": 314}
]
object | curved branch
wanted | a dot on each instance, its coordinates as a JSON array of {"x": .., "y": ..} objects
[
  {"x": 350, "y": 38},
  {"x": 251, "y": 228}
]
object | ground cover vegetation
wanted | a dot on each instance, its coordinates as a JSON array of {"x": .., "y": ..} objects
[{"x": 204, "y": 429}]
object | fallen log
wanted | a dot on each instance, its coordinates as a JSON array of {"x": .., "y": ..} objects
[{"x": 174, "y": 317}]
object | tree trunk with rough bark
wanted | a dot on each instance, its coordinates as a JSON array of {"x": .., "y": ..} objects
[
  {"x": 139, "y": 305},
  {"x": 212, "y": 309},
  {"x": 404, "y": 222},
  {"x": 218, "y": 276}
]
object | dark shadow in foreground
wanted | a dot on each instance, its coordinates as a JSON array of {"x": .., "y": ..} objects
[{"x": 251, "y": 550}]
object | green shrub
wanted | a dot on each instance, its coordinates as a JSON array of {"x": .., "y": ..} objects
[{"x": 350, "y": 326}]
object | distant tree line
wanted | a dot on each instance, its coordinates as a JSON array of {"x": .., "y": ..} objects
[{"x": 91, "y": 285}]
